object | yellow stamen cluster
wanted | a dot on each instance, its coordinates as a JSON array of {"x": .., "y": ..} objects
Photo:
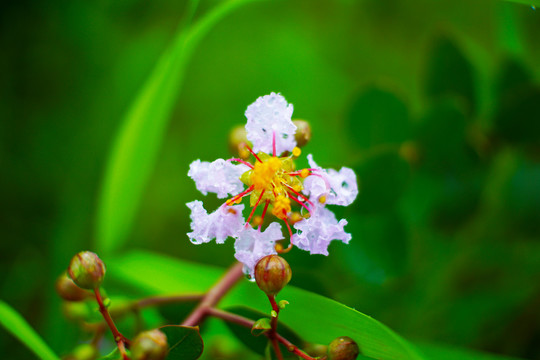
[
  {"x": 264, "y": 172},
  {"x": 273, "y": 180}
]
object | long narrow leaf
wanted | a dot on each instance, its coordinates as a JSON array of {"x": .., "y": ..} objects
[
  {"x": 14, "y": 323},
  {"x": 532, "y": 3},
  {"x": 138, "y": 141}
]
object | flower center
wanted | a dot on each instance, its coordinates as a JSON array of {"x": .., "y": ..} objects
[{"x": 266, "y": 173}]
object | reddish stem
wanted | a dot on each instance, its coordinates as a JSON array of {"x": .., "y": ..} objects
[
  {"x": 252, "y": 153},
  {"x": 241, "y": 161},
  {"x": 242, "y": 194},
  {"x": 301, "y": 203},
  {"x": 248, "y": 323},
  {"x": 274, "y": 143},
  {"x": 215, "y": 294},
  {"x": 299, "y": 194},
  {"x": 121, "y": 340},
  {"x": 255, "y": 207}
]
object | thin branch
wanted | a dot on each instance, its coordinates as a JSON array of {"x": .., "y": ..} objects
[
  {"x": 248, "y": 323},
  {"x": 121, "y": 340},
  {"x": 215, "y": 294}
]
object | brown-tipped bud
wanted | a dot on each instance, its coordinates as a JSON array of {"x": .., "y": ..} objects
[
  {"x": 66, "y": 288},
  {"x": 303, "y": 132},
  {"x": 237, "y": 142},
  {"x": 343, "y": 348},
  {"x": 150, "y": 345},
  {"x": 272, "y": 273},
  {"x": 86, "y": 270},
  {"x": 409, "y": 152}
]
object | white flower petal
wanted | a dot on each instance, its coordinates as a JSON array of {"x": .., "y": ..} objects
[
  {"x": 339, "y": 187},
  {"x": 251, "y": 245},
  {"x": 269, "y": 114},
  {"x": 316, "y": 232},
  {"x": 220, "y": 177},
  {"x": 224, "y": 222}
]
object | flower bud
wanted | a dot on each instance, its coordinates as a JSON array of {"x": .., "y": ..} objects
[
  {"x": 150, "y": 345},
  {"x": 83, "y": 352},
  {"x": 303, "y": 132},
  {"x": 237, "y": 142},
  {"x": 86, "y": 270},
  {"x": 272, "y": 273},
  {"x": 66, "y": 288},
  {"x": 343, "y": 348}
]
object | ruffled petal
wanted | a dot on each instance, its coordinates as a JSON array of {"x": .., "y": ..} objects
[
  {"x": 269, "y": 114},
  {"x": 220, "y": 177},
  {"x": 339, "y": 187},
  {"x": 316, "y": 232},
  {"x": 251, "y": 245},
  {"x": 224, "y": 222}
]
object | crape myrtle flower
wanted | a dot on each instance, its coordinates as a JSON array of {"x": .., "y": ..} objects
[{"x": 272, "y": 182}]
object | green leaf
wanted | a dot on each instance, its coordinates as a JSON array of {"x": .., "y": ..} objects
[
  {"x": 261, "y": 326},
  {"x": 140, "y": 135},
  {"x": 383, "y": 178},
  {"x": 185, "y": 342},
  {"x": 438, "y": 352},
  {"x": 113, "y": 355},
  {"x": 15, "y": 324},
  {"x": 378, "y": 117},
  {"x": 441, "y": 137},
  {"x": 450, "y": 73},
  {"x": 317, "y": 319}
]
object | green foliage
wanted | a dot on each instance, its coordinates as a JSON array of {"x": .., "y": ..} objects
[
  {"x": 15, "y": 324},
  {"x": 332, "y": 320},
  {"x": 138, "y": 141},
  {"x": 184, "y": 342},
  {"x": 378, "y": 117}
]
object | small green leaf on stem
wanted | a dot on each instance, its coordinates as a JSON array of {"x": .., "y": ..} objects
[
  {"x": 185, "y": 342},
  {"x": 261, "y": 326},
  {"x": 282, "y": 304}
]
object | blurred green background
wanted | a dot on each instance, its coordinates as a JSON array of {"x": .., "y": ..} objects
[{"x": 435, "y": 104}]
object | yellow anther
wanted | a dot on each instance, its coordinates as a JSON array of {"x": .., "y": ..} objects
[
  {"x": 278, "y": 247},
  {"x": 282, "y": 206},
  {"x": 239, "y": 200},
  {"x": 232, "y": 211},
  {"x": 322, "y": 199},
  {"x": 229, "y": 202},
  {"x": 263, "y": 173},
  {"x": 244, "y": 154},
  {"x": 257, "y": 220},
  {"x": 304, "y": 173},
  {"x": 296, "y": 151},
  {"x": 295, "y": 217}
]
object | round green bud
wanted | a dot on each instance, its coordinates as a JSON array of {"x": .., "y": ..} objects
[
  {"x": 272, "y": 273},
  {"x": 150, "y": 345},
  {"x": 303, "y": 132},
  {"x": 86, "y": 270},
  {"x": 85, "y": 352},
  {"x": 343, "y": 348},
  {"x": 66, "y": 288}
]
